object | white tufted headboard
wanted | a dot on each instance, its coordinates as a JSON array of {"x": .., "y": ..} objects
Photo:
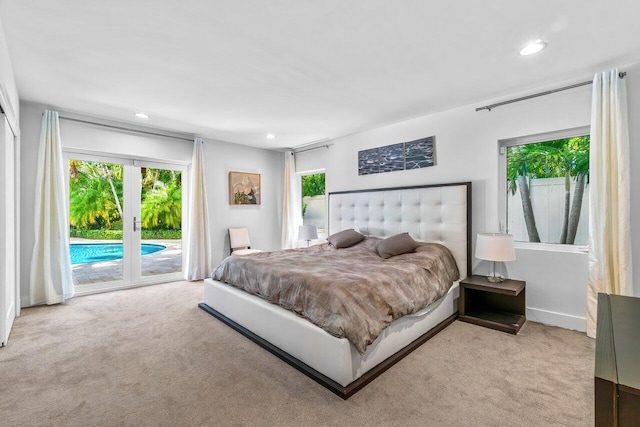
[{"x": 430, "y": 213}]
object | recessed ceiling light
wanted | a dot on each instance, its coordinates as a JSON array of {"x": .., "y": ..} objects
[
  {"x": 533, "y": 48},
  {"x": 141, "y": 116},
  {"x": 271, "y": 136}
]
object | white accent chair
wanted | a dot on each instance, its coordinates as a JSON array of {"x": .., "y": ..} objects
[{"x": 240, "y": 242}]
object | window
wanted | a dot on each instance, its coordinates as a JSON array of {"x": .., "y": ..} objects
[
  {"x": 314, "y": 205},
  {"x": 545, "y": 182}
]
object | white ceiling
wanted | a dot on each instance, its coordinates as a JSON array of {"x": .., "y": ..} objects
[{"x": 304, "y": 70}]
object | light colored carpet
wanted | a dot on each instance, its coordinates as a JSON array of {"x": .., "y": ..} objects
[{"x": 150, "y": 356}]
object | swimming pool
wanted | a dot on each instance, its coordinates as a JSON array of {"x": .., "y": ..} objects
[{"x": 83, "y": 253}]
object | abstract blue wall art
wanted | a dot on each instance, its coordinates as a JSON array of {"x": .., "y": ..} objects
[
  {"x": 368, "y": 161},
  {"x": 419, "y": 153},
  {"x": 391, "y": 158},
  {"x": 396, "y": 157}
]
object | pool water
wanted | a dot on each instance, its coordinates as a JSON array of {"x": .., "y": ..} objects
[{"x": 82, "y": 253}]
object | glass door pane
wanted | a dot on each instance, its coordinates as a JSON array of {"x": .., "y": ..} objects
[
  {"x": 160, "y": 221},
  {"x": 314, "y": 204},
  {"x": 96, "y": 203}
]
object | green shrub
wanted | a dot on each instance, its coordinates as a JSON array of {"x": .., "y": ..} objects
[
  {"x": 100, "y": 234},
  {"x": 104, "y": 234},
  {"x": 162, "y": 234}
]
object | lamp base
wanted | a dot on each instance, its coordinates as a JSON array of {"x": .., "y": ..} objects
[{"x": 493, "y": 277}]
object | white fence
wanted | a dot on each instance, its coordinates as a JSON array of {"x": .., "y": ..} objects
[
  {"x": 316, "y": 212},
  {"x": 547, "y": 198}
]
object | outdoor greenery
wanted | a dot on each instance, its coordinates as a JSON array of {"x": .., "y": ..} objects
[
  {"x": 96, "y": 200},
  {"x": 95, "y": 194},
  {"x": 161, "y": 199},
  {"x": 563, "y": 158},
  {"x": 104, "y": 234},
  {"x": 312, "y": 185}
]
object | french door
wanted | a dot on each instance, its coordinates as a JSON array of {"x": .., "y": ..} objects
[{"x": 126, "y": 221}]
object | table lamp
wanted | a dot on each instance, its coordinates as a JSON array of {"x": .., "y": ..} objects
[
  {"x": 496, "y": 247},
  {"x": 308, "y": 233}
]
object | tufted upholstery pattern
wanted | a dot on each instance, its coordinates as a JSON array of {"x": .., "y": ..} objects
[{"x": 429, "y": 214}]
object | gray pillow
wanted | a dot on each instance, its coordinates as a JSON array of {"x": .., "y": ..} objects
[
  {"x": 345, "y": 238},
  {"x": 396, "y": 245}
]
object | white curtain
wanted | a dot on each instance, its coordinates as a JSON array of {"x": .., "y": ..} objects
[
  {"x": 198, "y": 252},
  {"x": 609, "y": 194},
  {"x": 51, "y": 280},
  {"x": 292, "y": 203}
]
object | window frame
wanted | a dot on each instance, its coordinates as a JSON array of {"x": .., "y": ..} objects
[
  {"x": 326, "y": 205},
  {"x": 503, "y": 144}
]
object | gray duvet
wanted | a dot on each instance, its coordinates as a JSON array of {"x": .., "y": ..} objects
[{"x": 351, "y": 292}]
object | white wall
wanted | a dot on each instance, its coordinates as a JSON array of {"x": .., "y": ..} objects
[
  {"x": 263, "y": 221},
  {"x": 556, "y": 285},
  {"x": 467, "y": 150}
]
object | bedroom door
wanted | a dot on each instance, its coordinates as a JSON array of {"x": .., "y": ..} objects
[{"x": 126, "y": 220}]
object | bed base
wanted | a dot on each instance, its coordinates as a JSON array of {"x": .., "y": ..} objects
[{"x": 344, "y": 392}]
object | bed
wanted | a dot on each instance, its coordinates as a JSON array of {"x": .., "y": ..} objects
[{"x": 433, "y": 213}]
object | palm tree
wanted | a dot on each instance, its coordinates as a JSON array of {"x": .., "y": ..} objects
[
  {"x": 162, "y": 206},
  {"x": 87, "y": 207},
  {"x": 113, "y": 188},
  {"x": 571, "y": 157},
  {"x": 95, "y": 194},
  {"x": 567, "y": 158},
  {"x": 523, "y": 162},
  {"x": 580, "y": 171}
]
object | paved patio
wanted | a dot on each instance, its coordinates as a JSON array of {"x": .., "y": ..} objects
[{"x": 168, "y": 260}]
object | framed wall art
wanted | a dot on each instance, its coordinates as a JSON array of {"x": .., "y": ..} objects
[
  {"x": 396, "y": 157},
  {"x": 244, "y": 188}
]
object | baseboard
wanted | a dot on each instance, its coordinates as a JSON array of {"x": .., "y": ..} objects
[{"x": 561, "y": 320}]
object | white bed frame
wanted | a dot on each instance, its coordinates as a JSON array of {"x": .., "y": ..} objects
[{"x": 433, "y": 213}]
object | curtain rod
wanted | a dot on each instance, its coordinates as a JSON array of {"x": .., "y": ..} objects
[
  {"x": 313, "y": 148},
  {"x": 124, "y": 128},
  {"x": 535, "y": 95}
]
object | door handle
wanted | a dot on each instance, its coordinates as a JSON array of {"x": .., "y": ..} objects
[{"x": 137, "y": 225}]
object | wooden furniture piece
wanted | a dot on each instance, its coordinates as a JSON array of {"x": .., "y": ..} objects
[
  {"x": 499, "y": 306},
  {"x": 617, "y": 368}
]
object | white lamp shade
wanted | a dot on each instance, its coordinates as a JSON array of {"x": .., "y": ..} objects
[
  {"x": 495, "y": 247},
  {"x": 307, "y": 232}
]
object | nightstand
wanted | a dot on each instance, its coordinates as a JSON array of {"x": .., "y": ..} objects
[{"x": 499, "y": 306}]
